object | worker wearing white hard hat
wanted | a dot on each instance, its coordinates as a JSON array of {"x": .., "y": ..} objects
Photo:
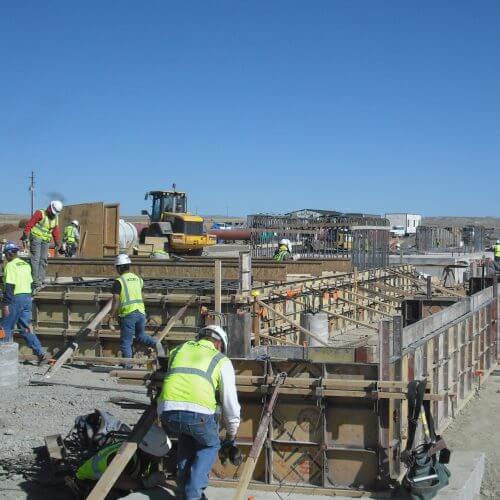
[
  {"x": 128, "y": 306},
  {"x": 284, "y": 250},
  {"x": 200, "y": 377},
  {"x": 141, "y": 471},
  {"x": 42, "y": 227},
  {"x": 71, "y": 238}
]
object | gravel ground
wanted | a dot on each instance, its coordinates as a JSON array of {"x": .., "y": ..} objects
[
  {"x": 476, "y": 428},
  {"x": 30, "y": 413}
]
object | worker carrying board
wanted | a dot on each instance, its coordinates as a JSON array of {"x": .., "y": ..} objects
[
  {"x": 199, "y": 376},
  {"x": 39, "y": 230}
]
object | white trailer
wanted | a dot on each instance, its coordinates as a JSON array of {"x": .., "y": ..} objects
[{"x": 407, "y": 222}]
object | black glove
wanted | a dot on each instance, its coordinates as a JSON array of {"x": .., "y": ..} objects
[
  {"x": 229, "y": 452},
  {"x": 60, "y": 251},
  {"x": 24, "y": 237}
]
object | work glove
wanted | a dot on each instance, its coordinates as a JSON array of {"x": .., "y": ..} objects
[
  {"x": 24, "y": 238},
  {"x": 229, "y": 452},
  {"x": 157, "y": 478},
  {"x": 60, "y": 251}
]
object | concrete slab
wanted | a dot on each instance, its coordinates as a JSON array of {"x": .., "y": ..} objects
[{"x": 467, "y": 469}]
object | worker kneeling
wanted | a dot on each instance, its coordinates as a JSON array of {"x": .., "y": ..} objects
[
  {"x": 199, "y": 374},
  {"x": 141, "y": 471},
  {"x": 129, "y": 304}
]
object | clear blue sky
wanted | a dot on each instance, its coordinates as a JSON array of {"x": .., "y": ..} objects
[{"x": 253, "y": 106}]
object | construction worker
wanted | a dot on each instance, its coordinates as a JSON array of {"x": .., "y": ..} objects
[
  {"x": 284, "y": 251},
  {"x": 17, "y": 301},
  {"x": 128, "y": 304},
  {"x": 496, "y": 250},
  {"x": 71, "y": 238},
  {"x": 199, "y": 374},
  {"x": 138, "y": 473},
  {"x": 40, "y": 229}
]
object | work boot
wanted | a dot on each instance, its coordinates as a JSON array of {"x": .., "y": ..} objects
[{"x": 43, "y": 359}]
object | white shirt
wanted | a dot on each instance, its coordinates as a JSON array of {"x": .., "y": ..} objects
[{"x": 228, "y": 398}]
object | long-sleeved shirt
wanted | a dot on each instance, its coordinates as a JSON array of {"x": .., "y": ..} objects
[
  {"x": 37, "y": 217},
  {"x": 228, "y": 397}
]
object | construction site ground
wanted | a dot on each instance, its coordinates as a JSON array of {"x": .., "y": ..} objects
[{"x": 33, "y": 412}]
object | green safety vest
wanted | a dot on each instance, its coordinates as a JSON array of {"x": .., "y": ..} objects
[
  {"x": 496, "y": 248},
  {"x": 43, "y": 228},
  {"x": 193, "y": 374},
  {"x": 69, "y": 235},
  {"x": 94, "y": 467},
  {"x": 17, "y": 272},
  {"x": 281, "y": 254},
  {"x": 131, "y": 294}
]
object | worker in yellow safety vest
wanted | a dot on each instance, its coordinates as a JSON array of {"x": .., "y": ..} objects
[
  {"x": 39, "y": 230},
  {"x": 496, "y": 250},
  {"x": 128, "y": 305},
  {"x": 71, "y": 238},
  {"x": 199, "y": 376},
  {"x": 284, "y": 251},
  {"x": 140, "y": 472},
  {"x": 17, "y": 302}
]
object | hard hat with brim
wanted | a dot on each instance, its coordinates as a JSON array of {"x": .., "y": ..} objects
[{"x": 10, "y": 247}]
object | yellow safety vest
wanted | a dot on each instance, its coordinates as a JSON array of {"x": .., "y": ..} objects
[
  {"x": 43, "y": 228},
  {"x": 95, "y": 467},
  {"x": 17, "y": 272},
  {"x": 281, "y": 253},
  {"x": 496, "y": 248},
  {"x": 193, "y": 374},
  {"x": 69, "y": 235},
  {"x": 131, "y": 294}
]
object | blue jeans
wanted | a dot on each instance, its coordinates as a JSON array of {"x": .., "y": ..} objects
[
  {"x": 20, "y": 314},
  {"x": 133, "y": 325},
  {"x": 197, "y": 447}
]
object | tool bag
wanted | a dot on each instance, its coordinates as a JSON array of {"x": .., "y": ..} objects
[
  {"x": 98, "y": 429},
  {"x": 427, "y": 472}
]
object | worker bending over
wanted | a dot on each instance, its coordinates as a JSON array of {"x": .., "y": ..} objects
[
  {"x": 129, "y": 305},
  {"x": 199, "y": 375},
  {"x": 284, "y": 251},
  {"x": 141, "y": 471},
  {"x": 71, "y": 238},
  {"x": 40, "y": 229},
  {"x": 496, "y": 250},
  {"x": 17, "y": 301}
]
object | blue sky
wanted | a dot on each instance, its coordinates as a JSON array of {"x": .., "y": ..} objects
[{"x": 262, "y": 106}]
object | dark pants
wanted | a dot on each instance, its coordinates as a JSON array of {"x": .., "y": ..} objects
[
  {"x": 20, "y": 315},
  {"x": 133, "y": 326},
  {"x": 197, "y": 447}
]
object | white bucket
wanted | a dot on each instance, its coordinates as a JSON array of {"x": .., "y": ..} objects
[{"x": 9, "y": 362}]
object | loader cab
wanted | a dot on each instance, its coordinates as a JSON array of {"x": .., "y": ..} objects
[{"x": 171, "y": 202}]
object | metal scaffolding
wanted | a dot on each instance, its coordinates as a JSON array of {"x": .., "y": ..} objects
[
  {"x": 450, "y": 239},
  {"x": 363, "y": 240}
]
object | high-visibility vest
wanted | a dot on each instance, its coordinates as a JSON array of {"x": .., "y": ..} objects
[
  {"x": 131, "y": 294},
  {"x": 17, "y": 272},
  {"x": 281, "y": 253},
  {"x": 193, "y": 374},
  {"x": 43, "y": 228},
  {"x": 69, "y": 235},
  {"x": 496, "y": 248},
  {"x": 95, "y": 467}
]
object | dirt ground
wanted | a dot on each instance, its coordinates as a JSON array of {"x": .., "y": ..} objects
[{"x": 476, "y": 428}]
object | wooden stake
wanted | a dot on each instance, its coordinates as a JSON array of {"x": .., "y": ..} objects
[{"x": 176, "y": 317}]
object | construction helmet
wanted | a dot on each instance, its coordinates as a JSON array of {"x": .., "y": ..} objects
[
  {"x": 122, "y": 260},
  {"x": 284, "y": 241},
  {"x": 10, "y": 247},
  {"x": 498, "y": 242},
  {"x": 56, "y": 206},
  {"x": 75, "y": 223},
  {"x": 215, "y": 332},
  {"x": 155, "y": 442}
]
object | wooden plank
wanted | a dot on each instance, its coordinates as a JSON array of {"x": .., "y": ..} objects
[
  {"x": 218, "y": 286},
  {"x": 176, "y": 317},
  {"x": 123, "y": 455}
]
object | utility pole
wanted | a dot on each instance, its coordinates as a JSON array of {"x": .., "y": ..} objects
[{"x": 32, "y": 190}]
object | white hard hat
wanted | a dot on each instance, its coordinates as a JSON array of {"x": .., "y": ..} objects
[
  {"x": 56, "y": 206},
  {"x": 122, "y": 260},
  {"x": 215, "y": 332},
  {"x": 75, "y": 223},
  {"x": 156, "y": 442},
  {"x": 498, "y": 241},
  {"x": 284, "y": 241}
]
